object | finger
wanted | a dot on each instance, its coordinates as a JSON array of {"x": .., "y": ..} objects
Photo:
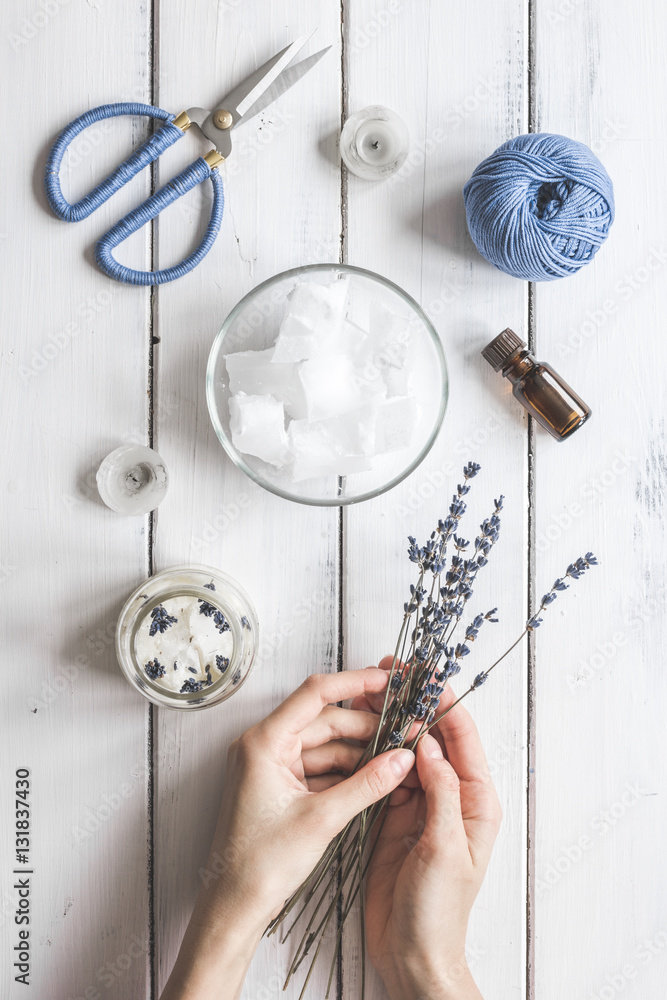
[
  {"x": 374, "y": 703},
  {"x": 318, "y": 690},
  {"x": 337, "y": 755},
  {"x": 386, "y": 662},
  {"x": 361, "y": 704},
  {"x": 481, "y": 807},
  {"x": 339, "y": 723},
  {"x": 333, "y": 723},
  {"x": 464, "y": 747},
  {"x": 320, "y": 782},
  {"x": 444, "y": 833},
  {"x": 478, "y": 804},
  {"x": 370, "y": 784},
  {"x": 400, "y": 795}
]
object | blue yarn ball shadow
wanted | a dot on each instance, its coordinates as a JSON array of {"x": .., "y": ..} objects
[{"x": 540, "y": 207}]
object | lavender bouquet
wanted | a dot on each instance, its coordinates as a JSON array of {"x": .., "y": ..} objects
[{"x": 430, "y": 650}]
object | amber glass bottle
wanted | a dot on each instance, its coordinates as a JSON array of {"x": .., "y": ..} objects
[{"x": 535, "y": 384}]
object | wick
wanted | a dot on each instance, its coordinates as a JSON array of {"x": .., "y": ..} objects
[{"x": 376, "y": 144}]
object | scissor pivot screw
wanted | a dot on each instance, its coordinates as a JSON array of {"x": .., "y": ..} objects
[{"x": 223, "y": 119}]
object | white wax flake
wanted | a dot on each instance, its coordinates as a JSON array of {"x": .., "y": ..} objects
[
  {"x": 325, "y": 448},
  {"x": 339, "y": 374},
  {"x": 371, "y": 385},
  {"x": 254, "y": 373},
  {"x": 390, "y": 337},
  {"x": 395, "y": 424},
  {"x": 257, "y": 424},
  {"x": 352, "y": 341},
  {"x": 190, "y": 643},
  {"x": 329, "y": 386},
  {"x": 313, "y": 323},
  {"x": 293, "y": 397}
]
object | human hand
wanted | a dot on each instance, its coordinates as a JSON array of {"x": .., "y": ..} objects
[
  {"x": 286, "y": 797},
  {"x": 429, "y": 862}
]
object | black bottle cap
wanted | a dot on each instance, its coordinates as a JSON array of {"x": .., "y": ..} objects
[{"x": 502, "y": 348}]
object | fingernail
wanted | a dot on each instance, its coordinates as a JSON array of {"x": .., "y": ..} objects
[
  {"x": 401, "y": 761},
  {"x": 431, "y": 747}
]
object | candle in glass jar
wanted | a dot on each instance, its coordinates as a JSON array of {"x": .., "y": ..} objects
[{"x": 374, "y": 143}]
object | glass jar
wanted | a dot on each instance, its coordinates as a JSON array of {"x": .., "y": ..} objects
[{"x": 187, "y": 637}]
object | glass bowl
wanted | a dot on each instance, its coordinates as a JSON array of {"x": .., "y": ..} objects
[
  {"x": 218, "y": 606},
  {"x": 253, "y": 325}
]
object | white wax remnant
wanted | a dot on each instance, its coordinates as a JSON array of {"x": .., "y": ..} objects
[
  {"x": 313, "y": 322},
  {"x": 257, "y": 424},
  {"x": 389, "y": 336},
  {"x": 352, "y": 341},
  {"x": 329, "y": 386},
  {"x": 371, "y": 384},
  {"x": 395, "y": 424},
  {"x": 191, "y": 644},
  {"x": 327, "y": 448},
  {"x": 254, "y": 373}
]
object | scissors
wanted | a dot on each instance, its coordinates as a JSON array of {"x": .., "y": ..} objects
[{"x": 251, "y": 96}]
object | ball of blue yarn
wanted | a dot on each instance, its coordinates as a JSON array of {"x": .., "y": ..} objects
[{"x": 540, "y": 207}]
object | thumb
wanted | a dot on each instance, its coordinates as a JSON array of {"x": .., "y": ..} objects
[
  {"x": 443, "y": 830},
  {"x": 378, "y": 778}
]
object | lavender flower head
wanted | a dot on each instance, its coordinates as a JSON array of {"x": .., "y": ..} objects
[
  {"x": 154, "y": 669},
  {"x": 161, "y": 620}
]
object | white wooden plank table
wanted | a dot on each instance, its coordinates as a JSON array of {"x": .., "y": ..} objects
[{"x": 124, "y": 796}]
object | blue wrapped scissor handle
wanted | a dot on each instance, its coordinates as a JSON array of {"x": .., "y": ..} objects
[{"x": 142, "y": 157}]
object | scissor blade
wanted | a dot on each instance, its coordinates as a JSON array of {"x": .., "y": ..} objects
[
  {"x": 249, "y": 90},
  {"x": 285, "y": 80}
]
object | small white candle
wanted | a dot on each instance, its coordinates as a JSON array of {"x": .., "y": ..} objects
[
  {"x": 374, "y": 143},
  {"x": 132, "y": 479}
]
